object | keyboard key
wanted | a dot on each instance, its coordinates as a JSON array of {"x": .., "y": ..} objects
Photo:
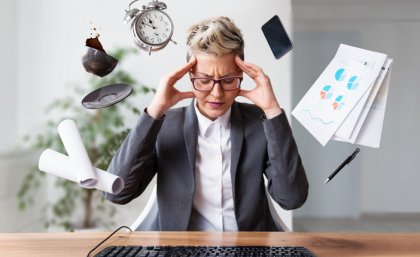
[{"x": 105, "y": 251}]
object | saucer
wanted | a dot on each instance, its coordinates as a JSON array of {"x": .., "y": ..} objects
[{"x": 106, "y": 96}]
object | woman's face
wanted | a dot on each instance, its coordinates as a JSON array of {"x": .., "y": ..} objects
[{"x": 216, "y": 102}]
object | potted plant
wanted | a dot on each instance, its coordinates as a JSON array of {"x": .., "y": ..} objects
[{"x": 102, "y": 131}]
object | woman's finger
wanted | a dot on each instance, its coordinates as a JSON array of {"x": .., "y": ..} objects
[
  {"x": 251, "y": 69},
  {"x": 255, "y": 69},
  {"x": 241, "y": 64},
  {"x": 244, "y": 93},
  {"x": 185, "y": 95},
  {"x": 178, "y": 74},
  {"x": 250, "y": 72}
]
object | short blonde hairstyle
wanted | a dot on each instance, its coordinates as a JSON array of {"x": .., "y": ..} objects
[{"x": 216, "y": 36}]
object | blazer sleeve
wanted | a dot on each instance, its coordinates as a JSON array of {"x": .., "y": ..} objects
[
  {"x": 135, "y": 160},
  {"x": 287, "y": 182}
]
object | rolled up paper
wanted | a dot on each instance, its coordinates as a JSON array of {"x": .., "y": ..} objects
[
  {"x": 60, "y": 165},
  {"x": 76, "y": 150}
]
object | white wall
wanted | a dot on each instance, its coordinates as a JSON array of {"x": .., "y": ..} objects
[
  {"x": 13, "y": 167},
  {"x": 49, "y": 53},
  {"x": 50, "y": 37},
  {"x": 8, "y": 26},
  {"x": 383, "y": 180}
]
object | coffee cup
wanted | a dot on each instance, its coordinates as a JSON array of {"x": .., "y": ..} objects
[{"x": 98, "y": 62}]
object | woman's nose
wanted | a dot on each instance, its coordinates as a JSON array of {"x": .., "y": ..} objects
[{"x": 217, "y": 89}]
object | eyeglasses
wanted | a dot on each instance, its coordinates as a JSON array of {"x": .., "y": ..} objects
[{"x": 207, "y": 84}]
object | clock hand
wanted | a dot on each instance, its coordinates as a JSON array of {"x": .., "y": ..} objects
[
  {"x": 153, "y": 27},
  {"x": 151, "y": 22}
]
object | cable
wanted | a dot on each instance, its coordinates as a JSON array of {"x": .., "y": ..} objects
[{"x": 115, "y": 231}]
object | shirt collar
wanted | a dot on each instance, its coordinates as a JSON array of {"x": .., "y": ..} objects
[{"x": 204, "y": 122}]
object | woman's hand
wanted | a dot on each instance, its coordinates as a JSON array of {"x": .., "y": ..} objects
[
  {"x": 262, "y": 95},
  {"x": 167, "y": 95}
]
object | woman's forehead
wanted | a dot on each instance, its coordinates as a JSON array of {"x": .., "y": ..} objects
[{"x": 210, "y": 65}]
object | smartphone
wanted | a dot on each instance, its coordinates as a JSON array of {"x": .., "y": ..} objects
[{"x": 277, "y": 37}]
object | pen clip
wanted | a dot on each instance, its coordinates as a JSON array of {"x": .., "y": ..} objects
[{"x": 353, "y": 155}]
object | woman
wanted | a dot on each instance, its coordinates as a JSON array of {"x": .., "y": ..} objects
[{"x": 211, "y": 156}]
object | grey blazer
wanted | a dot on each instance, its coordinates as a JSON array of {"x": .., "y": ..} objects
[{"x": 167, "y": 147}]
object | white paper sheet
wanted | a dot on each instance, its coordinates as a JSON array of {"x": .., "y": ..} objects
[
  {"x": 371, "y": 131},
  {"x": 76, "y": 150},
  {"x": 60, "y": 165},
  {"x": 336, "y": 92},
  {"x": 373, "y": 61},
  {"x": 383, "y": 82}
]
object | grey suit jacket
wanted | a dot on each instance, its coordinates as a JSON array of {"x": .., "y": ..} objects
[{"x": 167, "y": 147}]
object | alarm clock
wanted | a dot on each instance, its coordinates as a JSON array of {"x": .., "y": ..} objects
[{"x": 151, "y": 27}]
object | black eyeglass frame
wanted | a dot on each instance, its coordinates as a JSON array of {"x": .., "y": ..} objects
[{"x": 217, "y": 81}]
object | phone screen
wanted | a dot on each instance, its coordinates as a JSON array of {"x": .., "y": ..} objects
[{"x": 276, "y": 36}]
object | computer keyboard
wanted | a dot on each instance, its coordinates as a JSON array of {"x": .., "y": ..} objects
[{"x": 201, "y": 251}]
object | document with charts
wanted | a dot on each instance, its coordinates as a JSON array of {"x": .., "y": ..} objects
[
  {"x": 367, "y": 128},
  {"x": 371, "y": 127},
  {"x": 347, "y": 81}
]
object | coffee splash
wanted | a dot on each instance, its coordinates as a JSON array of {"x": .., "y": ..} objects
[{"x": 93, "y": 41}]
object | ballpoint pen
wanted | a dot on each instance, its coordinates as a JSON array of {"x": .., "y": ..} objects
[{"x": 346, "y": 161}]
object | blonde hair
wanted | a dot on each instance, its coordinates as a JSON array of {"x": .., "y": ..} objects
[{"x": 216, "y": 36}]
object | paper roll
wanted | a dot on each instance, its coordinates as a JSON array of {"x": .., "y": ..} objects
[
  {"x": 76, "y": 150},
  {"x": 60, "y": 165}
]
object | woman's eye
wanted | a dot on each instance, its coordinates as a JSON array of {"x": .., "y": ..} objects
[
  {"x": 228, "y": 80},
  {"x": 205, "y": 81}
]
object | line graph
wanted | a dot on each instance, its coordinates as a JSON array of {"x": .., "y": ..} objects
[{"x": 317, "y": 118}]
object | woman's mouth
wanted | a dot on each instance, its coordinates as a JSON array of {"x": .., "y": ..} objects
[{"x": 215, "y": 104}]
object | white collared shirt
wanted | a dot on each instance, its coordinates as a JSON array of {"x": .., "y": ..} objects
[{"x": 213, "y": 208}]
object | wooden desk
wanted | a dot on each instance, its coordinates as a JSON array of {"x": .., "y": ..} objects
[{"x": 322, "y": 244}]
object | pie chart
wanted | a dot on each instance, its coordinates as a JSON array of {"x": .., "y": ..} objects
[
  {"x": 340, "y": 74},
  {"x": 353, "y": 83},
  {"x": 338, "y": 102},
  {"x": 326, "y": 92}
]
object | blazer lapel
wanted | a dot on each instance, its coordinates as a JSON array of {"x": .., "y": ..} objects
[
  {"x": 237, "y": 137},
  {"x": 191, "y": 134}
]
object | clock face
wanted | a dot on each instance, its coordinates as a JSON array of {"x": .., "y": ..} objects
[{"x": 154, "y": 27}]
